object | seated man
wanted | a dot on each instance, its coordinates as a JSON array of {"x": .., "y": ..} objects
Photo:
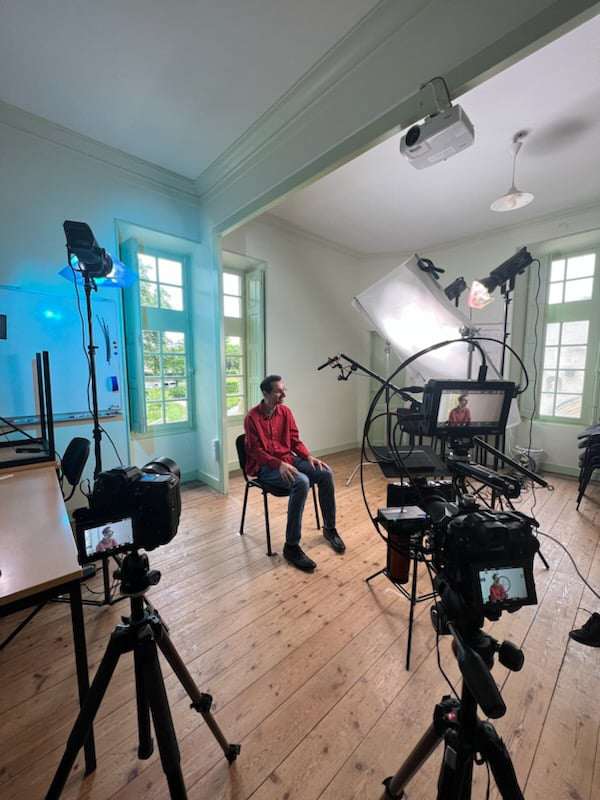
[
  {"x": 461, "y": 414},
  {"x": 277, "y": 457}
]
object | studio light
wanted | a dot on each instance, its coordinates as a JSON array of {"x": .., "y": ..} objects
[
  {"x": 92, "y": 259},
  {"x": 514, "y": 198},
  {"x": 480, "y": 294}
]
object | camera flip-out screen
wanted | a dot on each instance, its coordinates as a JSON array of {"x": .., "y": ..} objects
[
  {"x": 466, "y": 408},
  {"x": 95, "y": 540},
  {"x": 506, "y": 587}
]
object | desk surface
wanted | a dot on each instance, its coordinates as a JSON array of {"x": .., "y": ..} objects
[{"x": 37, "y": 549}]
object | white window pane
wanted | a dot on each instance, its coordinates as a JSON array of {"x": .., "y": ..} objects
[
  {"x": 575, "y": 332},
  {"x": 557, "y": 272},
  {"x": 581, "y": 266},
  {"x": 154, "y": 413},
  {"x": 550, "y": 357},
  {"x": 555, "y": 295},
  {"x": 568, "y": 405},
  {"x": 175, "y": 388},
  {"x": 150, "y": 341},
  {"x": 148, "y": 294},
  {"x": 233, "y": 346},
  {"x": 171, "y": 297},
  {"x": 176, "y": 411},
  {"x": 571, "y": 381},
  {"x": 173, "y": 342},
  {"x": 549, "y": 381},
  {"x": 572, "y": 357},
  {"x": 232, "y": 284},
  {"x": 552, "y": 333},
  {"x": 232, "y": 307},
  {"x": 235, "y": 406},
  {"x": 147, "y": 267},
  {"x": 170, "y": 271},
  {"x": 579, "y": 290},
  {"x": 547, "y": 404}
]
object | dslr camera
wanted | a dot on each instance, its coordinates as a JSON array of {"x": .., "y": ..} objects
[{"x": 129, "y": 509}]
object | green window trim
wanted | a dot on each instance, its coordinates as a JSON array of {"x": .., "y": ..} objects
[
  {"x": 561, "y": 332},
  {"x": 158, "y": 342}
]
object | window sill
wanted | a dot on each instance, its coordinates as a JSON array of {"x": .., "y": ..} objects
[{"x": 164, "y": 430}]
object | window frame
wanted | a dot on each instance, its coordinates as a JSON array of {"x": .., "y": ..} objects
[
  {"x": 572, "y": 311},
  {"x": 151, "y": 318},
  {"x": 236, "y": 327}
]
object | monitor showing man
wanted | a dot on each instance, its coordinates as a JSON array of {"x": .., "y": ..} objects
[{"x": 276, "y": 455}]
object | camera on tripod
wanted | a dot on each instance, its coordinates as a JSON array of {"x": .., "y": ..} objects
[{"x": 130, "y": 508}]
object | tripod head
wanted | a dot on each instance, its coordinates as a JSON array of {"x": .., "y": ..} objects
[{"x": 135, "y": 574}]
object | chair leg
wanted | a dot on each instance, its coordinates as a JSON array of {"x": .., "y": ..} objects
[
  {"x": 244, "y": 511},
  {"x": 316, "y": 508},
  {"x": 267, "y": 526}
]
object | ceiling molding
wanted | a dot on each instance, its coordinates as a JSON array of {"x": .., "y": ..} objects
[
  {"x": 162, "y": 179},
  {"x": 296, "y": 230},
  {"x": 361, "y": 41},
  {"x": 564, "y": 214}
]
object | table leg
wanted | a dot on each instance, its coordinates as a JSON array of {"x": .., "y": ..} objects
[{"x": 81, "y": 662}]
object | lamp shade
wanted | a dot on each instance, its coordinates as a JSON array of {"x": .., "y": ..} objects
[
  {"x": 120, "y": 276},
  {"x": 512, "y": 200}
]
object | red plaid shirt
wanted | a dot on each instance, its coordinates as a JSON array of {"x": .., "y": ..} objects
[{"x": 271, "y": 440}]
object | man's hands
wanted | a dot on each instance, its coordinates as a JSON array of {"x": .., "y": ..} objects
[
  {"x": 287, "y": 471},
  {"x": 316, "y": 463}
]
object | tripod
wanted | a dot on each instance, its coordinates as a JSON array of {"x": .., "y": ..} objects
[
  {"x": 467, "y": 739},
  {"x": 143, "y": 633}
]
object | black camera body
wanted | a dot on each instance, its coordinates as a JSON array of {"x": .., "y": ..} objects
[
  {"x": 486, "y": 557},
  {"x": 140, "y": 507}
]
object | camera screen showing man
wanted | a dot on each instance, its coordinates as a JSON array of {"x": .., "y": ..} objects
[
  {"x": 505, "y": 584},
  {"x": 461, "y": 413},
  {"x": 107, "y": 537}
]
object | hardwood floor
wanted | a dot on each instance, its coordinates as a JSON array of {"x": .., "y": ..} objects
[{"x": 307, "y": 671}]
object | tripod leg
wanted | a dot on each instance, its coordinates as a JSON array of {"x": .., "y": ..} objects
[
  {"x": 201, "y": 702},
  {"x": 146, "y": 746},
  {"x": 168, "y": 748},
  {"x": 411, "y": 613},
  {"x": 374, "y": 575},
  {"x": 456, "y": 773},
  {"x": 493, "y": 749},
  {"x": 544, "y": 562},
  {"x": 394, "y": 786},
  {"x": 85, "y": 719}
]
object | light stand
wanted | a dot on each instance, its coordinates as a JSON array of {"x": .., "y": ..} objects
[{"x": 89, "y": 285}]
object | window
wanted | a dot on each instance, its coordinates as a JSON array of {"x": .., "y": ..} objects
[
  {"x": 235, "y": 340},
  {"x": 159, "y": 358},
  {"x": 570, "y": 328}
]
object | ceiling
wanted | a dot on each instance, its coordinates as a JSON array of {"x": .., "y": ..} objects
[
  {"x": 173, "y": 82},
  {"x": 379, "y": 203}
]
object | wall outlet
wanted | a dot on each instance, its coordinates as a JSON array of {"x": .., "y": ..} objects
[{"x": 217, "y": 450}]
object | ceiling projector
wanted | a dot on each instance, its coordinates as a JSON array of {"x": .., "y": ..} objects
[{"x": 439, "y": 137}]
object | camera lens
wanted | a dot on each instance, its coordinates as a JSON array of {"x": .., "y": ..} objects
[{"x": 412, "y": 136}]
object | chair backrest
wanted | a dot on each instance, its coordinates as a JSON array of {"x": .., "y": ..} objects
[
  {"x": 240, "y": 446},
  {"x": 75, "y": 459}
]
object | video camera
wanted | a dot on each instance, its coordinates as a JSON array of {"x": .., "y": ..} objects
[
  {"x": 484, "y": 556},
  {"x": 130, "y": 508}
]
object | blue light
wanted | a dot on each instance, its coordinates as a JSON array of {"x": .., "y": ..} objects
[
  {"x": 120, "y": 277},
  {"x": 48, "y": 313}
]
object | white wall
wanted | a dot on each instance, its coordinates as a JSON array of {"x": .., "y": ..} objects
[
  {"x": 309, "y": 288},
  {"x": 475, "y": 258},
  {"x": 43, "y": 183}
]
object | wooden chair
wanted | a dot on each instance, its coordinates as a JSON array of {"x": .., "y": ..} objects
[{"x": 240, "y": 444}]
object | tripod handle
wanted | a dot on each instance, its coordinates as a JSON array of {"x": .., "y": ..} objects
[{"x": 478, "y": 678}]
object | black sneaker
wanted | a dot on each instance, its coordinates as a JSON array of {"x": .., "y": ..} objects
[
  {"x": 296, "y": 556},
  {"x": 589, "y": 633},
  {"x": 334, "y": 539}
]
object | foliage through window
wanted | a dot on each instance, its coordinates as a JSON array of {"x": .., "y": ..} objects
[
  {"x": 235, "y": 355},
  {"x": 570, "y": 328}
]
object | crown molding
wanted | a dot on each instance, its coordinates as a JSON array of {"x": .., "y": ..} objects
[
  {"x": 161, "y": 179},
  {"x": 296, "y": 230},
  {"x": 361, "y": 41}
]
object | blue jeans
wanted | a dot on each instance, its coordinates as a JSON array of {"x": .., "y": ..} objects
[{"x": 298, "y": 490}]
